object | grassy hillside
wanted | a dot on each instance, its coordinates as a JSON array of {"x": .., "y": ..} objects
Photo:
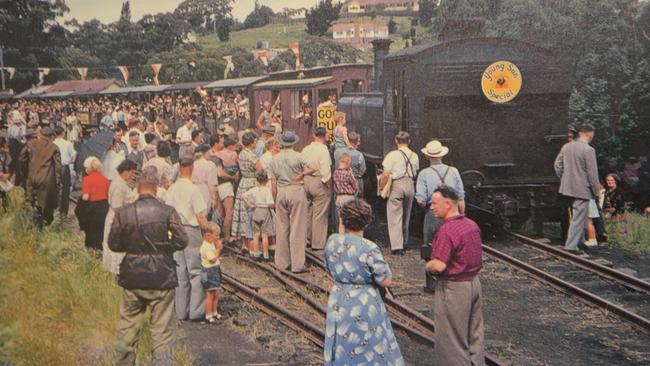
[{"x": 280, "y": 36}]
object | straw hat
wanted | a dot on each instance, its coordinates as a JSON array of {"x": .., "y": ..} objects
[{"x": 434, "y": 149}]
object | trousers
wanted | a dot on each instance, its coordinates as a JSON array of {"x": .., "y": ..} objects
[
  {"x": 132, "y": 316},
  {"x": 398, "y": 211},
  {"x": 575, "y": 235},
  {"x": 189, "y": 293},
  {"x": 291, "y": 227},
  {"x": 459, "y": 335},
  {"x": 319, "y": 196},
  {"x": 65, "y": 190}
]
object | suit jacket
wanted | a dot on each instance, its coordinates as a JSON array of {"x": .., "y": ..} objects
[
  {"x": 578, "y": 171},
  {"x": 43, "y": 161}
]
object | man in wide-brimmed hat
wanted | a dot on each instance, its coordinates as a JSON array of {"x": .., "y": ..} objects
[
  {"x": 430, "y": 179},
  {"x": 287, "y": 170}
]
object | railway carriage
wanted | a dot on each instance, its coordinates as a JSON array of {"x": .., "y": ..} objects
[{"x": 504, "y": 148}]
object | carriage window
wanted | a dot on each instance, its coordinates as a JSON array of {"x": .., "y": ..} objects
[{"x": 297, "y": 98}]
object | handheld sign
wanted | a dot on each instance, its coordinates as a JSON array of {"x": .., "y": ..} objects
[
  {"x": 326, "y": 119},
  {"x": 501, "y": 82}
]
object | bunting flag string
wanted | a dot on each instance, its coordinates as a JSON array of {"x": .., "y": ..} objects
[
  {"x": 263, "y": 57},
  {"x": 83, "y": 72},
  {"x": 229, "y": 66},
  {"x": 42, "y": 73},
  {"x": 295, "y": 48},
  {"x": 125, "y": 73},
  {"x": 156, "y": 70}
]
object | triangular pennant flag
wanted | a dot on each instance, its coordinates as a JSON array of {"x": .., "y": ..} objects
[
  {"x": 263, "y": 57},
  {"x": 83, "y": 72},
  {"x": 11, "y": 71},
  {"x": 229, "y": 66},
  {"x": 42, "y": 73},
  {"x": 295, "y": 47},
  {"x": 125, "y": 73},
  {"x": 156, "y": 70}
]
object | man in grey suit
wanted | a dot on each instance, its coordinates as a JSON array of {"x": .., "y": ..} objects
[{"x": 576, "y": 166}]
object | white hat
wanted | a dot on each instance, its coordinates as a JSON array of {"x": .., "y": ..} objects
[{"x": 434, "y": 149}]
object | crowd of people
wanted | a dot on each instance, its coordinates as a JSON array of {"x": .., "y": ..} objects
[{"x": 160, "y": 207}]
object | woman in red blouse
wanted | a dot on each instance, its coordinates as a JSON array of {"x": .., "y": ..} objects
[{"x": 95, "y": 199}]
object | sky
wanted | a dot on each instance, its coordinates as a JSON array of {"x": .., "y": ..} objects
[{"x": 108, "y": 11}]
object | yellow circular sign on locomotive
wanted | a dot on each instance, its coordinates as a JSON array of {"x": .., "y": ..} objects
[{"x": 501, "y": 82}]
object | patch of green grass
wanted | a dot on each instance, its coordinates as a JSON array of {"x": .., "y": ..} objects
[
  {"x": 248, "y": 38},
  {"x": 635, "y": 236},
  {"x": 58, "y": 307}
]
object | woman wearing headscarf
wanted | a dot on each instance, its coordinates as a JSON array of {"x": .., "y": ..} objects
[{"x": 358, "y": 329}]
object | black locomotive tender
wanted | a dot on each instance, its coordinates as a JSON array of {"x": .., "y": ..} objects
[{"x": 504, "y": 152}]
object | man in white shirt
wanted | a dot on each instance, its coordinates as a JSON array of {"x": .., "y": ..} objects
[
  {"x": 184, "y": 136},
  {"x": 186, "y": 198},
  {"x": 402, "y": 166},
  {"x": 68, "y": 156},
  {"x": 204, "y": 176},
  {"x": 136, "y": 126},
  {"x": 318, "y": 187}
]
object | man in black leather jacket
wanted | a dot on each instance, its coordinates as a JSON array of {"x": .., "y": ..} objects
[{"x": 149, "y": 232}]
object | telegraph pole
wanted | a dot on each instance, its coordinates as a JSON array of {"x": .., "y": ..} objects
[{"x": 2, "y": 66}]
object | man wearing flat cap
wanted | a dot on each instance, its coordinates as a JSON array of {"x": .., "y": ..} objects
[
  {"x": 41, "y": 160},
  {"x": 577, "y": 169},
  {"x": 430, "y": 179},
  {"x": 148, "y": 232},
  {"x": 287, "y": 170}
]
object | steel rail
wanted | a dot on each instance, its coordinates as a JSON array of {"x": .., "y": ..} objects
[
  {"x": 625, "y": 280},
  {"x": 401, "y": 307},
  {"x": 282, "y": 314},
  {"x": 569, "y": 288},
  {"x": 390, "y": 299},
  {"x": 277, "y": 274}
]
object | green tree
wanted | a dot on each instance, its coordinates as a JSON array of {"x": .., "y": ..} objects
[
  {"x": 224, "y": 27},
  {"x": 319, "y": 18},
  {"x": 427, "y": 12},
  {"x": 125, "y": 13},
  {"x": 316, "y": 51},
  {"x": 204, "y": 14},
  {"x": 259, "y": 17},
  {"x": 31, "y": 37},
  {"x": 392, "y": 26}
]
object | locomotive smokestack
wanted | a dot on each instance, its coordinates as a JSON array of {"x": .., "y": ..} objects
[{"x": 380, "y": 47}]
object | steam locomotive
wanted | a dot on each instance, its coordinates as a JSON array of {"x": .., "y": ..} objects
[{"x": 502, "y": 138}]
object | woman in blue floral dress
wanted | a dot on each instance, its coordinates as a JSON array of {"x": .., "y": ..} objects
[
  {"x": 242, "y": 226},
  {"x": 358, "y": 330}
]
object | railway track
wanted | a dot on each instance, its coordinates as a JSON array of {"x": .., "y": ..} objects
[
  {"x": 399, "y": 310},
  {"x": 617, "y": 293}
]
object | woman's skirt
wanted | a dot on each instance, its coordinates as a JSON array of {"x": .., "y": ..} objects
[{"x": 96, "y": 219}]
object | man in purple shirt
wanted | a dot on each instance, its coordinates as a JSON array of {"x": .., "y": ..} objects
[{"x": 456, "y": 260}]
